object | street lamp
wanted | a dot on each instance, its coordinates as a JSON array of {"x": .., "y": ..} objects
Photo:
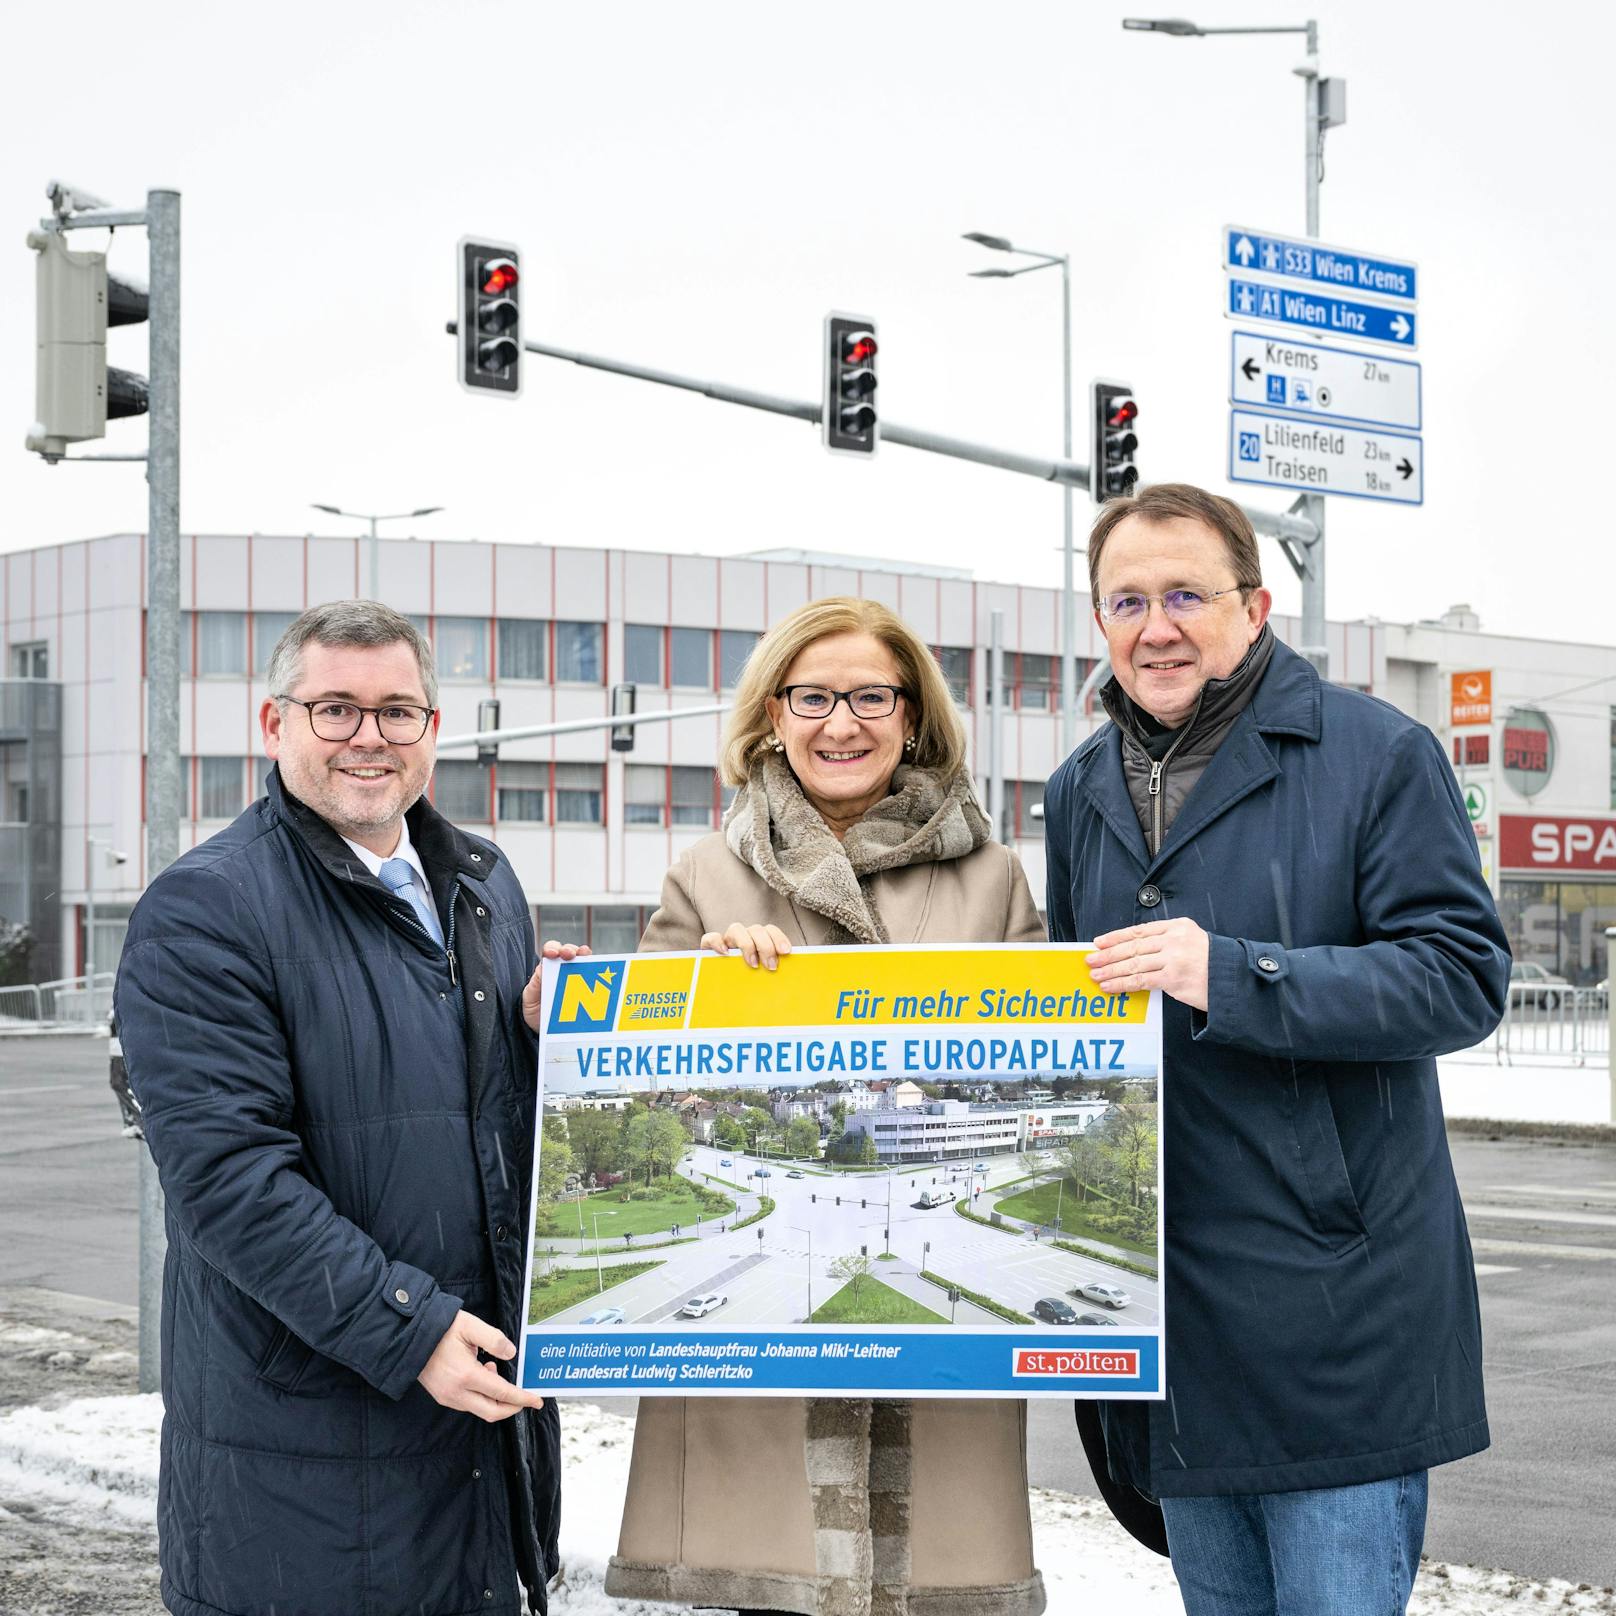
[
  {"x": 380, "y": 516},
  {"x": 600, "y": 1278},
  {"x": 1324, "y": 107},
  {"x": 1068, "y": 598},
  {"x": 798, "y": 1229}
]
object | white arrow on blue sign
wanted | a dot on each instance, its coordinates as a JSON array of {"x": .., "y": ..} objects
[
  {"x": 1258, "y": 252},
  {"x": 1318, "y": 311}
]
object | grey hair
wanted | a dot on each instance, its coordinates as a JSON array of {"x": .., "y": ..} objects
[{"x": 348, "y": 622}]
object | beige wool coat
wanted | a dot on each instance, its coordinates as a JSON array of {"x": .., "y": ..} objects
[{"x": 835, "y": 1507}]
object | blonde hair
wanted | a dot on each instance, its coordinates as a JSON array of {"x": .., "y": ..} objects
[{"x": 939, "y": 734}]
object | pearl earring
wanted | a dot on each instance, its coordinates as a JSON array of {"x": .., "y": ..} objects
[
  {"x": 909, "y": 743},
  {"x": 777, "y": 743}
]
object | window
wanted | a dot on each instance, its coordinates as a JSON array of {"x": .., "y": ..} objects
[
  {"x": 565, "y": 922},
  {"x": 614, "y": 929},
  {"x": 726, "y": 795},
  {"x": 642, "y": 653},
  {"x": 31, "y": 661},
  {"x": 579, "y": 793},
  {"x": 644, "y": 793},
  {"x": 1029, "y": 794},
  {"x": 690, "y": 658},
  {"x": 221, "y": 786},
  {"x": 1037, "y": 682},
  {"x": 462, "y": 648},
  {"x": 523, "y": 648},
  {"x": 521, "y": 790},
  {"x": 692, "y": 794},
  {"x": 213, "y": 645},
  {"x": 734, "y": 647},
  {"x": 461, "y": 791},
  {"x": 267, "y": 630},
  {"x": 1613, "y": 757},
  {"x": 580, "y": 653},
  {"x": 955, "y": 661}
]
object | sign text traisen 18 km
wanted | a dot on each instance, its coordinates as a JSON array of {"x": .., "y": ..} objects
[{"x": 1319, "y": 457}]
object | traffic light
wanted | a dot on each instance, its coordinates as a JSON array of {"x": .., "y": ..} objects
[
  {"x": 848, "y": 422},
  {"x": 490, "y": 319},
  {"x": 1113, "y": 443},
  {"x": 75, "y": 391},
  {"x": 623, "y": 699}
]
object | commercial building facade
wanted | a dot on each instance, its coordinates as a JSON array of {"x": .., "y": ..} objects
[{"x": 547, "y": 630}]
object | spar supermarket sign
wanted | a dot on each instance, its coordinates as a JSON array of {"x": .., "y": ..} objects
[{"x": 1557, "y": 844}]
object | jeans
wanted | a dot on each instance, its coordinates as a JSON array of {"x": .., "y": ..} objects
[{"x": 1334, "y": 1551}]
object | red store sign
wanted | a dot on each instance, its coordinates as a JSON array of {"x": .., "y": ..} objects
[{"x": 1557, "y": 845}]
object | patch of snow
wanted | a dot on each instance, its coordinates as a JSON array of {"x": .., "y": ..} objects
[
  {"x": 98, "y": 1456},
  {"x": 38, "y": 1335}
]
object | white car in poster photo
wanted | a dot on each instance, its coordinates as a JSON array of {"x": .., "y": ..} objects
[
  {"x": 699, "y": 1307},
  {"x": 1098, "y": 1290}
]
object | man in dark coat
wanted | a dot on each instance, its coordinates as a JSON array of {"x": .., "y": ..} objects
[
  {"x": 326, "y": 1012},
  {"x": 1289, "y": 863}
]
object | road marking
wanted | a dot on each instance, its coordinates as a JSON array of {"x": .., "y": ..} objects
[
  {"x": 40, "y": 1088},
  {"x": 1528, "y": 1214},
  {"x": 1590, "y": 1192},
  {"x": 1483, "y": 1269},
  {"x": 1529, "y": 1248}
]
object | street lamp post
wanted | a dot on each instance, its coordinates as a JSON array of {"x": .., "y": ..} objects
[
  {"x": 1324, "y": 107},
  {"x": 1068, "y": 583},
  {"x": 810, "y": 1233},
  {"x": 374, "y": 588},
  {"x": 600, "y": 1277}
]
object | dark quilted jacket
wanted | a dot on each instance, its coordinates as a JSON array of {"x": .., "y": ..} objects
[{"x": 343, "y": 1127}]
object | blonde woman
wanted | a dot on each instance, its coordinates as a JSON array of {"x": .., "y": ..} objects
[{"x": 855, "y": 821}]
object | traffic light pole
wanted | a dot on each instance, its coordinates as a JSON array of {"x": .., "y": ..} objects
[
  {"x": 162, "y": 673},
  {"x": 1307, "y": 557}
]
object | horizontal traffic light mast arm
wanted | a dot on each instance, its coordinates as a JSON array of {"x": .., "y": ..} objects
[
  {"x": 572, "y": 726},
  {"x": 1277, "y": 526},
  {"x": 96, "y": 219}
]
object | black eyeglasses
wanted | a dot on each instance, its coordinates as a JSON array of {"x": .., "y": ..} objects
[
  {"x": 819, "y": 701},
  {"x": 402, "y": 725}
]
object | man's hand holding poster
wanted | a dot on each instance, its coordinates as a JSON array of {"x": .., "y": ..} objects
[{"x": 958, "y": 1231}]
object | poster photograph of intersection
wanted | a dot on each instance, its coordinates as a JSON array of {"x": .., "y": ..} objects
[{"x": 878, "y": 1171}]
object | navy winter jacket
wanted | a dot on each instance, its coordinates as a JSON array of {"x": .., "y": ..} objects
[
  {"x": 1320, "y": 1298},
  {"x": 341, "y": 1114}
]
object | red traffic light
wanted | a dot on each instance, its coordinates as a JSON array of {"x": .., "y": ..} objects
[
  {"x": 859, "y": 349},
  {"x": 499, "y": 276},
  {"x": 1122, "y": 412}
]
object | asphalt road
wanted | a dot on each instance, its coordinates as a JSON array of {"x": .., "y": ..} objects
[
  {"x": 1542, "y": 1217},
  {"x": 768, "y": 1270}
]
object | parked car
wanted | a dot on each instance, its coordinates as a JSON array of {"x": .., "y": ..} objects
[
  {"x": 796, "y": 1172},
  {"x": 700, "y": 1306},
  {"x": 1100, "y": 1290},
  {"x": 1052, "y": 1310},
  {"x": 604, "y": 1315},
  {"x": 1534, "y": 984},
  {"x": 1096, "y": 1318}
]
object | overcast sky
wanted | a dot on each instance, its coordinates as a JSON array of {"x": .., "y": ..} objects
[{"x": 693, "y": 186}]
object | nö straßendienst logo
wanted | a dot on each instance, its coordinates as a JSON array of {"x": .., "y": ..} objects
[{"x": 586, "y": 997}]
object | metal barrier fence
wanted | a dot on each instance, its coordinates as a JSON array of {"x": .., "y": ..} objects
[
  {"x": 1555, "y": 1023},
  {"x": 73, "y": 1001}
]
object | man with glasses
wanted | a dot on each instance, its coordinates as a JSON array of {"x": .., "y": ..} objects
[
  {"x": 327, "y": 1012},
  {"x": 1290, "y": 864}
]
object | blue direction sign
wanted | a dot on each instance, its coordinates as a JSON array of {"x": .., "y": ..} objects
[
  {"x": 1314, "y": 263},
  {"x": 1319, "y": 311}
]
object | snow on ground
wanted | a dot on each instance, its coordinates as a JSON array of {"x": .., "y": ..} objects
[
  {"x": 98, "y": 1458},
  {"x": 1536, "y": 1088}
]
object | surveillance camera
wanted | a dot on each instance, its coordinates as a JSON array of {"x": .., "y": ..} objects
[
  {"x": 67, "y": 198},
  {"x": 117, "y": 857}
]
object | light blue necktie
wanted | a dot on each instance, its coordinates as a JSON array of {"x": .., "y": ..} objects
[{"x": 399, "y": 878}]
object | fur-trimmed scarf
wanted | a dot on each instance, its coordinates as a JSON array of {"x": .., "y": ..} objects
[
  {"x": 773, "y": 828},
  {"x": 858, "y": 1450}
]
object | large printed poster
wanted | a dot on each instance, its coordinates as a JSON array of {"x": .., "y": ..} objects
[{"x": 873, "y": 1172}]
